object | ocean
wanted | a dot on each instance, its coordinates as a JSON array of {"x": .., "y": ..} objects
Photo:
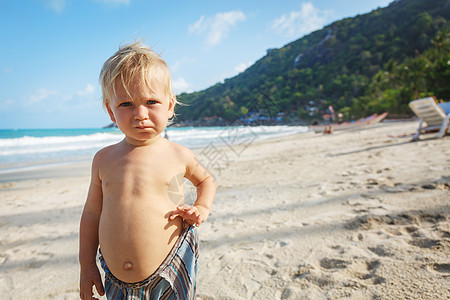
[{"x": 21, "y": 149}]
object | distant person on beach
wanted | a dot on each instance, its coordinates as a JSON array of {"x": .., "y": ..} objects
[
  {"x": 328, "y": 129},
  {"x": 147, "y": 242}
]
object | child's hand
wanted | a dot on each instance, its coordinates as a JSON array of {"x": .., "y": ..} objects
[
  {"x": 90, "y": 276},
  {"x": 194, "y": 215}
]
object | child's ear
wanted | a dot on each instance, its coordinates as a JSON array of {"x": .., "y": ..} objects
[
  {"x": 171, "y": 106},
  {"x": 111, "y": 114}
]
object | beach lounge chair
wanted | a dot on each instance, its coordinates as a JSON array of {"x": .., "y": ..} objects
[{"x": 431, "y": 115}]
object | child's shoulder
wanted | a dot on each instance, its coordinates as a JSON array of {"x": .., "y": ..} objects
[
  {"x": 179, "y": 149},
  {"x": 106, "y": 152}
]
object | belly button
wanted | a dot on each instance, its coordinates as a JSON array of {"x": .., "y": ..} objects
[{"x": 128, "y": 265}]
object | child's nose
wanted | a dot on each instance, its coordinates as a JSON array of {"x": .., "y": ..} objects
[{"x": 141, "y": 112}]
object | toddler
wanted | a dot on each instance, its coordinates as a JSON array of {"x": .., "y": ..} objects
[{"x": 148, "y": 244}]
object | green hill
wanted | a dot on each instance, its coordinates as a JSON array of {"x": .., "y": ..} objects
[{"x": 367, "y": 64}]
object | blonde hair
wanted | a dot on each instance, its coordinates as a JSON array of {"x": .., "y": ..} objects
[{"x": 131, "y": 62}]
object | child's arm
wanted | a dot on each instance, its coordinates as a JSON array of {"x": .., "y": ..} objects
[
  {"x": 89, "y": 273},
  {"x": 206, "y": 189}
]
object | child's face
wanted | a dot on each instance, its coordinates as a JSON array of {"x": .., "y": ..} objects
[{"x": 142, "y": 116}]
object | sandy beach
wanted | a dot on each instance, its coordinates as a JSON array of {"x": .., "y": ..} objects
[{"x": 359, "y": 214}]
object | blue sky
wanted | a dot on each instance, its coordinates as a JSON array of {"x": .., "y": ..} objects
[{"x": 52, "y": 50}]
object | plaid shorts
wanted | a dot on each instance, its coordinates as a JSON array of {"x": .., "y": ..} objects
[{"x": 175, "y": 278}]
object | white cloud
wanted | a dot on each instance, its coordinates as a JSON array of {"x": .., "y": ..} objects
[
  {"x": 199, "y": 26},
  {"x": 41, "y": 94},
  {"x": 217, "y": 27},
  {"x": 56, "y": 5},
  {"x": 88, "y": 90},
  {"x": 242, "y": 67},
  {"x": 180, "y": 85},
  {"x": 303, "y": 21},
  {"x": 230, "y": 73}
]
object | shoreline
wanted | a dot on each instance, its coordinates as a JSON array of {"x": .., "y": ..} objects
[
  {"x": 12, "y": 168},
  {"x": 24, "y": 152},
  {"x": 355, "y": 214}
]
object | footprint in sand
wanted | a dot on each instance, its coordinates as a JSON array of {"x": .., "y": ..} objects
[
  {"x": 339, "y": 249},
  {"x": 380, "y": 251},
  {"x": 34, "y": 265},
  {"x": 372, "y": 267},
  {"x": 322, "y": 281},
  {"x": 441, "y": 268},
  {"x": 424, "y": 242},
  {"x": 329, "y": 264},
  {"x": 442, "y": 233}
]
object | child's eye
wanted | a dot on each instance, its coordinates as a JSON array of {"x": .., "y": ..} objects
[
  {"x": 152, "y": 102},
  {"x": 125, "y": 104}
]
